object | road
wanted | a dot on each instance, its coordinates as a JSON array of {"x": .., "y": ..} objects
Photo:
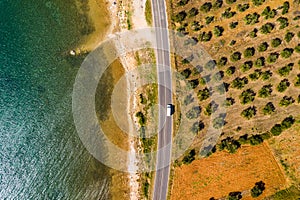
[{"x": 164, "y": 98}]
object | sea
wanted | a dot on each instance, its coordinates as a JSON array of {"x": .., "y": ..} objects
[{"x": 41, "y": 155}]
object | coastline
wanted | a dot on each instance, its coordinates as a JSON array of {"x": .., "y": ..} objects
[{"x": 117, "y": 19}]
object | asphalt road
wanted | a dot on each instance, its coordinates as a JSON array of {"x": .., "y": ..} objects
[{"x": 164, "y": 98}]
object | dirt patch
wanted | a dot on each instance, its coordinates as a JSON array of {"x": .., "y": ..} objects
[{"x": 222, "y": 173}]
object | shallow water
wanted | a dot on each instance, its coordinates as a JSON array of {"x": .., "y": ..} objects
[{"x": 41, "y": 154}]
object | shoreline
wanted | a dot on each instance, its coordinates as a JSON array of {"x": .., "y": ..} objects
[{"x": 117, "y": 22}]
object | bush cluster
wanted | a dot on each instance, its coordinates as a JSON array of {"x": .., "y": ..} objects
[
  {"x": 263, "y": 47},
  {"x": 285, "y": 124},
  {"x": 284, "y": 71},
  {"x": 283, "y": 85},
  {"x": 268, "y": 12},
  {"x": 268, "y": 109},
  {"x": 284, "y": 22},
  {"x": 286, "y": 101},
  {"x": 265, "y": 91},
  {"x": 249, "y": 112},
  {"x": 255, "y": 75},
  {"x": 251, "y": 19},
  {"x": 247, "y": 96},
  {"x": 239, "y": 83}
]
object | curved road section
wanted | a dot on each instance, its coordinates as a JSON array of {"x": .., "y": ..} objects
[{"x": 164, "y": 98}]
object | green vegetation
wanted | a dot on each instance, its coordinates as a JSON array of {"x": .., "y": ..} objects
[
  {"x": 266, "y": 75},
  {"x": 188, "y": 99},
  {"x": 283, "y": 85},
  {"x": 255, "y": 75},
  {"x": 195, "y": 26},
  {"x": 272, "y": 57},
  {"x": 265, "y": 91},
  {"x": 218, "y": 31},
  {"x": 179, "y": 17},
  {"x": 249, "y": 112},
  {"x": 251, "y": 19},
  {"x": 276, "y": 42},
  {"x": 267, "y": 28},
  {"x": 229, "y": 101},
  {"x": 211, "y": 108},
  {"x": 217, "y": 4},
  {"x": 203, "y": 94},
  {"x": 222, "y": 61},
  {"x": 253, "y": 33},
  {"x": 148, "y": 12},
  {"x": 258, "y": 189},
  {"x": 297, "y": 83},
  {"x": 233, "y": 25},
  {"x": 285, "y": 124},
  {"x": 193, "y": 112},
  {"x": 182, "y": 2},
  {"x": 284, "y": 22},
  {"x": 193, "y": 12},
  {"x": 260, "y": 62},
  {"x": 230, "y": 1},
  {"x": 229, "y": 144},
  {"x": 228, "y": 13},
  {"x": 239, "y": 83},
  {"x": 284, "y": 71},
  {"x": 297, "y": 48},
  {"x": 290, "y": 193},
  {"x": 230, "y": 70},
  {"x": 190, "y": 157},
  {"x": 247, "y": 96},
  {"x": 268, "y": 13},
  {"x": 268, "y": 109},
  {"x": 263, "y": 47},
  {"x": 249, "y": 52},
  {"x": 258, "y": 2},
  {"x": 209, "y": 19},
  {"x": 210, "y": 65},
  {"x": 289, "y": 36},
  {"x": 287, "y": 52},
  {"x": 246, "y": 66},
  {"x": 286, "y": 101},
  {"x": 219, "y": 121},
  {"x": 205, "y": 36},
  {"x": 206, "y": 7},
  {"x": 234, "y": 196},
  {"x": 235, "y": 56},
  {"x": 197, "y": 127},
  {"x": 141, "y": 118},
  {"x": 193, "y": 83},
  {"x": 285, "y": 7},
  {"x": 243, "y": 7},
  {"x": 186, "y": 73}
]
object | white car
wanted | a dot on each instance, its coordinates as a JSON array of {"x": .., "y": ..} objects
[{"x": 169, "y": 109}]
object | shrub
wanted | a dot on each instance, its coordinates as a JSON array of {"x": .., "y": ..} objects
[
  {"x": 141, "y": 118},
  {"x": 266, "y": 75},
  {"x": 203, "y": 94},
  {"x": 190, "y": 157},
  {"x": 258, "y": 189},
  {"x": 218, "y": 31},
  {"x": 285, "y": 7},
  {"x": 243, "y": 7},
  {"x": 287, "y": 52},
  {"x": 233, "y": 25},
  {"x": 255, "y": 75},
  {"x": 182, "y": 2},
  {"x": 260, "y": 62},
  {"x": 287, "y": 122},
  {"x": 249, "y": 52},
  {"x": 193, "y": 112},
  {"x": 210, "y": 65},
  {"x": 217, "y": 4},
  {"x": 228, "y": 13},
  {"x": 247, "y": 96},
  {"x": 284, "y": 22},
  {"x": 265, "y": 91},
  {"x": 258, "y": 2},
  {"x": 272, "y": 57},
  {"x": 230, "y": 70},
  {"x": 235, "y": 196},
  {"x": 229, "y": 101},
  {"x": 276, "y": 130},
  {"x": 209, "y": 19},
  {"x": 230, "y": 1},
  {"x": 197, "y": 127},
  {"x": 283, "y": 85},
  {"x": 186, "y": 73},
  {"x": 263, "y": 47},
  {"x": 239, "y": 83},
  {"x": 297, "y": 48},
  {"x": 297, "y": 83},
  {"x": 211, "y": 108},
  {"x": 206, "y": 7},
  {"x": 249, "y": 112},
  {"x": 222, "y": 61},
  {"x": 195, "y": 26},
  {"x": 180, "y": 16},
  {"x": 276, "y": 42},
  {"x": 289, "y": 36},
  {"x": 268, "y": 13},
  {"x": 298, "y": 34},
  {"x": 267, "y": 28},
  {"x": 246, "y": 66},
  {"x": 286, "y": 101},
  {"x": 251, "y": 18},
  {"x": 193, "y": 12},
  {"x": 219, "y": 122},
  {"x": 269, "y": 108},
  {"x": 205, "y": 37},
  {"x": 235, "y": 56},
  {"x": 193, "y": 83},
  {"x": 232, "y": 42},
  {"x": 253, "y": 33},
  {"x": 229, "y": 144},
  {"x": 284, "y": 71}
]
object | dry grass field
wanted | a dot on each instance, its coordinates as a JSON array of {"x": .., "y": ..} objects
[
  {"x": 255, "y": 45},
  {"x": 222, "y": 173}
]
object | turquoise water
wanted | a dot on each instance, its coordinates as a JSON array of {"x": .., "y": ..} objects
[{"x": 41, "y": 154}]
